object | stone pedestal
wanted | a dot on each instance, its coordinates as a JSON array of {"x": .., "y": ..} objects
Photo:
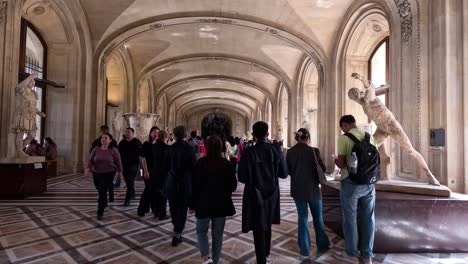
[
  {"x": 408, "y": 223},
  {"x": 22, "y": 177},
  {"x": 142, "y": 123}
]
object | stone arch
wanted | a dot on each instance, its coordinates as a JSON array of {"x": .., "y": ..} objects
[
  {"x": 405, "y": 44},
  {"x": 71, "y": 50}
]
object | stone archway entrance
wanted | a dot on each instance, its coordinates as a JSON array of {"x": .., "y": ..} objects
[{"x": 216, "y": 124}]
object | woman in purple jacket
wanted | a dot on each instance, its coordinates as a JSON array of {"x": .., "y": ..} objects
[{"x": 104, "y": 161}]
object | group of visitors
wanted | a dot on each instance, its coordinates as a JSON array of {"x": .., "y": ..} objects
[
  {"x": 199, "y": 176},
  {"x": 47, "y": 150}
]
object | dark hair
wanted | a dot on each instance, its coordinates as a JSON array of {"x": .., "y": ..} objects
[
  {"x": 214, "y": 148},
  {"x": 237, "y": 140},
  {"x": 129, "y": 128},
  {"x": 149, "y": 134},
  {"x": 110, "y": 137},
  {"x": 33, "y": 141},
  {"x": 162, "y": 135},
  {"x": 302, "y": 134},
  {"x": 50, "y": 141},
  {"x": 231, "y": 141},
  {"x": 260, "y": 129},
  {"x": 193, "y": 134},
  {"x": 179, "y": 132},
  {"x": 105, "y": 128},
  {"x": 347, "y": 119}
]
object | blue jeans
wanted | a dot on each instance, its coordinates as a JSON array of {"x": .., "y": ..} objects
[
  {"x": 217, "y": 230},
  {"x": 303, "y": 236},
  {"x": 352, "y": 196}
]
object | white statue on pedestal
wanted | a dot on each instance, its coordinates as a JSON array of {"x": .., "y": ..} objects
[
  {"x": 387, "y": 125},
  {"x": 117, "y": 125},
  {"x": 24, "y": 115}
]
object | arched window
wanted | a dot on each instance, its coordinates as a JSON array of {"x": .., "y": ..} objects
[
  {"x": 378, "y": 66},
  {"x": 33, "y": 59}
]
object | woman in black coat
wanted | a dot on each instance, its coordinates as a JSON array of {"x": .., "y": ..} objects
[
  {"x": 213, "y": 184},
  {"x": 302, "y": 161}
]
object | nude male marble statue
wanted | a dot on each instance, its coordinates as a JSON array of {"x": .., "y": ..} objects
[
  {"x": 387, "y": 126},
  {"x": 24, "y": 118},
  {"x": 117, "y": 125}
]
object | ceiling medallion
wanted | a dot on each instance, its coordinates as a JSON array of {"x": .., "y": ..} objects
[
  {"x": 39, "y": 10},
  {"x": 156, "y": 26},
  {"x": 272, "y": 31},
  {"x": 376, "y": 28}
]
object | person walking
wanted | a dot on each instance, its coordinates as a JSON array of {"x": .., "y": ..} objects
[
  {"x": 148, "y": 197},
  {"x": 113, "y": 144},
  {"x": 353, "y": 194},
  {"x": 178, "y": 187},
  {"x": 302, "y": 161},
  {"x": 260, "y": 167},
  {"x": 158, "y": 177},
  {"x": 129, "y": 150},
  {"x": 103, "y": 161},
  {"x": 213, "y": 184}
]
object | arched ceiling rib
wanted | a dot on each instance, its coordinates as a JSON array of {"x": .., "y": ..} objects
[
  {"x": 215, "y": 91},
  {"x": 313, "y": 21},
  {"x": 239, "y": 104},
  {"x": 193, "y": 109},
  {"x": 221, "y": 82}
]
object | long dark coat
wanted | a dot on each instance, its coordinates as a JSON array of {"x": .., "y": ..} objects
[
  {"x": 259, "y": 168},
  {"x": 179, "y": 162}
]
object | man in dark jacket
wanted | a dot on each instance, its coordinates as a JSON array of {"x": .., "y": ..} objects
[
  {"x": 259, "y": 168},
  {"x": 130, "y": 149},
  {"x": 179, "y": 162}
]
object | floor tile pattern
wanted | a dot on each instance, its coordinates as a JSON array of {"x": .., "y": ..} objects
[{"x": 60, "y": 226}]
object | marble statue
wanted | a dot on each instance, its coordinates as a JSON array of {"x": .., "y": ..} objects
[
  {"x": 24, "y": 115},
  {"x": 117, "y": 125},
  {"x": 305, "y": 124},
  {"x": 387, "y": 126},
  {"x": 279, "y": 132}
]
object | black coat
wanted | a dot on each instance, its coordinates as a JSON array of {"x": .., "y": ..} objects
[
  {"x": 158, "y": 175},
  {"x": 213, "y": 185},
  {"x": 259, "y": 168},
  {"x": 303, "y": 171},
  {"x": 179, "y": 161}
]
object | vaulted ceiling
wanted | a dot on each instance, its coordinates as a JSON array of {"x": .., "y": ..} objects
[{"x": 224, "y": 52}]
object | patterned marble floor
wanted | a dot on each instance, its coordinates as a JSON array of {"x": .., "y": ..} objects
[{"x": 60, "y": 226}]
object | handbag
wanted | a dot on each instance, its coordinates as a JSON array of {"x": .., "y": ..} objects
[{"x": 321, "y": 175}]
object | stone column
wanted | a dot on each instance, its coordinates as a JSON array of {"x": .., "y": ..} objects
[{"x": 10, "y": 26}]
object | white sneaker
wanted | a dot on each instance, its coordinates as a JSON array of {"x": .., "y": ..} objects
[
  {"x": 208, "y": 261},
  {"x": 341, "y": 255},
  {"x": 366, "y": 260},
  {"x": 268, "y": 260}
]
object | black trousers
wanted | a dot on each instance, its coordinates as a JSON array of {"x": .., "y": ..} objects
[
  {"x": 161, "y": 203},
  {"x": 178, "y": 215},
  {"x": 148, "y": 199},
  {"x": 233, "y": 162},
  {"x": 129, "y": 173},
  {"x": 262, "y": 241},
  {"x": 102, "y": 182}
]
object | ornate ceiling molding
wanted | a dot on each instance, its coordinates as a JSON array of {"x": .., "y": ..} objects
[
  {"x": 314, "y": 52},
  {"x": 3, "y": 10},
  {"x": 161, "y": 91},
  {"x": 404, "y": 10}
]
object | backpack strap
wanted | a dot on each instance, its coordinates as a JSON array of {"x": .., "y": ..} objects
[
  {"x": 367, "y": 138},
  {"x": 353, "y": 138}
]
